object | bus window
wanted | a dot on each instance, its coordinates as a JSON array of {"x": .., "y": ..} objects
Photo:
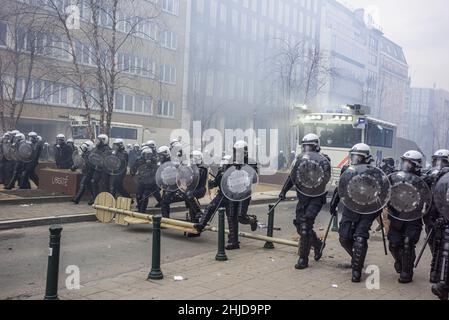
[
  {"x": 378, "y": 136},
  {"x": 334, "y": 135},
  {"x": 79, "y": 133},
  {"x": 124, "y": 133}
]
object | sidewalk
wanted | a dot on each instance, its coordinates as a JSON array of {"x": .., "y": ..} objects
[
  {"x": 35, "y": 214},
  {"x": 255, "y": 273}
]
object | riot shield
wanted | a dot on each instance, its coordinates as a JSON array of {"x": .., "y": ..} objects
[
  {"x": 96, "y": 159},
  {"x": 237, "y": 183},
  {"x": 114, "y": 164},
  {"x": 78, "y": 160},
  {"x": 441, "y": 196},
  {"x": 166, "y": 176},
  {"x": 311, "y": 174},
  {"x": 411, "y": 197},
  {"x": 25, "y": 151},
  {"x": 146, "y": 174},
  {"x": 187, "y": 178},
  {"x": 364, "y": 189}
]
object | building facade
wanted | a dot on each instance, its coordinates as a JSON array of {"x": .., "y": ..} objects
[
  {"x": 428, "y": 119},
  {"x": 148, "y": 62},
  {"x": 232, "y": 45}
]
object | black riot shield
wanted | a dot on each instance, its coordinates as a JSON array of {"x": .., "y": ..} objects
[
  {"x": 25, "y": 151},
  {"x": 237, "y": 183},
  {"x": 311, "y": 174},
  {"x": 411, "y": 197},
  {"x": 96, "y": 159},
  {"x": 364, "y": 189},
  {"x": 114, "y": 164},
  {"x": 187, "y": 178},
  {"x": 441, "y": 196},
  {"x": 146, "y": 175},
  {"x": 78, "y": 160},
  {"x": 166, "y": 176}
]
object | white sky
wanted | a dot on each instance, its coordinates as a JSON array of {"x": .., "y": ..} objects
[{"x": 421, "y": 27}]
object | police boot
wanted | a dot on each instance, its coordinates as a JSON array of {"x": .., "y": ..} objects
[
  {"x": 305, "y": 244},
  {"x": 233, "y": 237},
  {"x": 358, "y": 258},
  {"x": 441, "y": 290},
  {"x": 204, "y": 219},
  {"x": 317, "y": 245},
  {"x": 434, "y": 265},
  {"x": 347, "y": 244},
  {"x": 408, "y": 259},
  {"x": 249, "y": 220},
  {"x": 396, "y": 252}
]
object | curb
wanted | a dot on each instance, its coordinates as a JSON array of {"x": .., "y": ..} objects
[
  {"x": 37, "y": 200},
  {"x": 90, "y": 217}
]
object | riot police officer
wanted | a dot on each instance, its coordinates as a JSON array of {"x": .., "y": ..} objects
[
  {"x": 354, "y": 227},
  {"x": 219, "y": 201},
  {"x": 5, "y": 163},
  {"x": 87, "y": 172},
  {"x": 433, "y": 221},
  {"x": 134, "y": 154},
  {"x": 63, "y": 153},
  {"x": 116, "y": 181},
  {"x": 237, "y": 211},
  {"x": 29, "y": 170},
  {"x": 145, "y": 167},
  {"x": 199, "y": 191},
  {"x": 18, "y": 166},
  {"x": 163, "y": 154},
  {"x": 404, "y": 232},
  {"x": 307, "y": 209},
  {"x": 100, "y": 178},
  {"x": 388, "y": 166}
]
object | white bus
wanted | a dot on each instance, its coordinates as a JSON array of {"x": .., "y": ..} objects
[
  {"x": 339, "y": 132},
  {"x": 130, "y": 133}
]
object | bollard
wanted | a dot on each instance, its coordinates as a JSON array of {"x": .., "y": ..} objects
[
  {"x": 156, "y": 273},
  {"x": 51, "y": 288},
  {"x": 335, "y": 223},
  {"x": 221, "y": 253},
  {"x": 270, "y": 245}
]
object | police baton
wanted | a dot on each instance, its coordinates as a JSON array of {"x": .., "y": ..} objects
[
  {"x": 334, "y": 216},
  {"x": 429, "y": 236},
  {"x": 383, "y": 234}
]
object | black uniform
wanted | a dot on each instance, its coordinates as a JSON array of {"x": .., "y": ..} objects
[
  {"x": 116, "y": 186},
  {"x": 86, "y": 180},
  {"x": 237, "y": 212},
  {"x": 63, "y": 156},
  {"x": 354, "y": 233},
  {"x": 403, "y": 237},
  {"x": 145, "y": 189},
  {"x": 16, "y": 168},
  {"x": 433, "y": 222},
  {"x": 100, "y": 178},
  {"x": 219, "y": 201},
  {"x": 29, "y": 168},
  {"x": 307, "y": 211},
  {"x": 190, "y": 198}
]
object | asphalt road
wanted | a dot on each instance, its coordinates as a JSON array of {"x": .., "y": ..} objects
[{"x": 104, "y": 250}]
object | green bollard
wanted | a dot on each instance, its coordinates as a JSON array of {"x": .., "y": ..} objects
[
  {"x": 335, "y": 223},
  {"x": 51, "y": 288},
  {"x": 221, "y": 253},
  {"x": 156, "y": 273},
  {"x": 270, "y": 245}
]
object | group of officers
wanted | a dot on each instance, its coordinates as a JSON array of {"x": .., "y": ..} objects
[{"x": 411, "y": 195}]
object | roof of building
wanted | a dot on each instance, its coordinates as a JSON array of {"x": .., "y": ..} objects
[{"x": 392, "y": 49}]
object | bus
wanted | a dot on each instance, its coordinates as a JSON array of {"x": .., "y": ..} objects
[
  {"x": 130, "y": 133},
  {"x": 339, "y": 132}
]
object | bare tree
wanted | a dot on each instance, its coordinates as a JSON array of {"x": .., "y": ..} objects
[
  {"x": 20, "y": 61},
  {"x": 300, "y": 74}
]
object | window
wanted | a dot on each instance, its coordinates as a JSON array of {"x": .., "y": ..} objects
[
  {"x": 123, "y": 133},
  {"x": 166, "y": 109},
  {"x": 378, "y": 136},
  {"x": 171, "y": 6},
  {"x": 3, "y": 34},
  {"x": 118, "y": 101},
  {"x": 168, "y": 74},
  {"x": 333, "y": 135},
  {"x": 169, "y": 40}
]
